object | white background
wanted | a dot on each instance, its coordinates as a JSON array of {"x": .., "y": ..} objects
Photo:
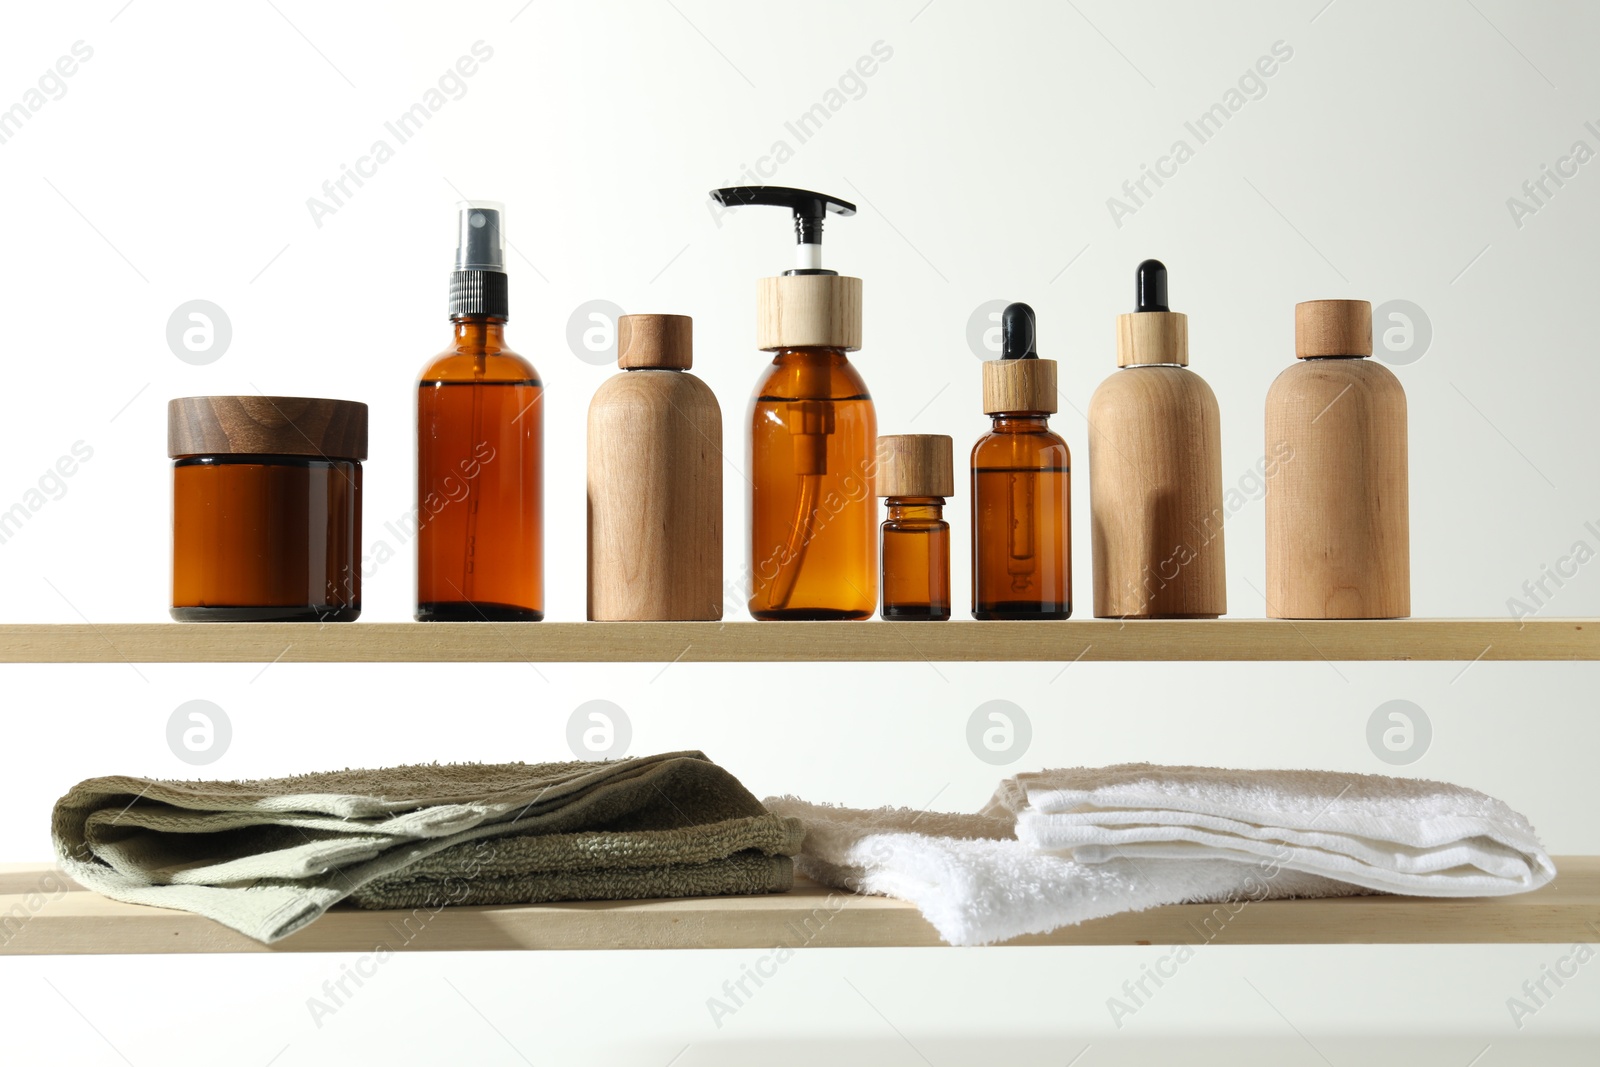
[{"x": 1377, "y": 163}]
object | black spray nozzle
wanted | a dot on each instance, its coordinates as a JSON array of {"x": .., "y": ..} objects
[
  {"x": 478, "y": 281},
  {"x": 1017, "y": 332},
  {"x": 1150, "y": 287},
  {"x": 808, "y": 208}
]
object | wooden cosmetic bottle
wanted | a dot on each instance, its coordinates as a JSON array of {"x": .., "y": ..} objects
[
  {"x": 1338, "y": 520},
  {"x": 655, "y": 481},
  {"x": 1155, "y": 471}
]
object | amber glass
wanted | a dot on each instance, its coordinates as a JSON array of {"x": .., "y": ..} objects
[
  {"x": 266, "y": 539},
  {"x": 1021, "y": 521},
  {"x": 916, "y": 559},
  {"x": 480, "y": 483},
  {"x": 813, "y": 515}
]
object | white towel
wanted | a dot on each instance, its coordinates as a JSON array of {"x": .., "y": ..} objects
[
  {"x": 977, "y": 884},
  {"x": 1396, "y": 835}
]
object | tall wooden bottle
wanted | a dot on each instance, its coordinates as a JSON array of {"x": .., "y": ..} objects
[
  {"x": 655, "y": 481},
  {"x": 1338, "y": 519},
  {"x": 1155, "y": 472}
]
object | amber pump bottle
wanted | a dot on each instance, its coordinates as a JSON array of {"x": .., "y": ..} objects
[
  {"x": 1021, "y": 486},
  {"x": 1155, "y": 471},
  {"x": 480, "y": 420},
  {"x": 915, "y": 476},
  {"x": 813, "y": 514}
]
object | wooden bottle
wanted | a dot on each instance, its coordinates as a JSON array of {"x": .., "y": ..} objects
[
  {"x": 1155, "y": 472},
  {"x": 1338, "y": 521},
  {"x": 655, "y": 481}
]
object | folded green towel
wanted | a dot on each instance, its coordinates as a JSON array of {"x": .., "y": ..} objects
[{"x": 266, "y": 857}]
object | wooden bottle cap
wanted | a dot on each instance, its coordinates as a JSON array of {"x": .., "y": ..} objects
[
  {"x": 266, "y": 425},
  {"x": 808, "y": 310},
  {"x": 915, "y": 464},
  {"x": 665, "y": 341},
  {"x": 1332, "y": 328},
  {"x": 1152, "y": 337},
  {"x": 1018, "y": 385}
]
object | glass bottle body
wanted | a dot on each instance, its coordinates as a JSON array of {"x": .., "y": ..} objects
[
  {"x": 1021, "y": 521},
  {"x": 916, "y": 559},
  {"x": 480, "y": 481},
  {"x": 813, "y": 516},
  {"x": 266, "y": 538}
]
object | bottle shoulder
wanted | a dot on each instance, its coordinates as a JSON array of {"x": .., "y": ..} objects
[
  {"x": 811, "y": 374},
  {"x": 461, "y": 364},
  {"x": 1317, "y": 377},
  {"x": 1044, "y": 448},
  {"x": 678, "y": 390},
  {"x": 1156, "y": 392}
]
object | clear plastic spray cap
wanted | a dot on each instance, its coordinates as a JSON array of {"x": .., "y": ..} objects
[{"x": 482, "y": 239}]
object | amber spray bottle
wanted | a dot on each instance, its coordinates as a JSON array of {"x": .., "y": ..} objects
[
  {"x": 813, "y": 432},
  {"x": 1021, "y": 486},
  {"x": 915, "y": 476},
  {"x": 480, "y": 435}
]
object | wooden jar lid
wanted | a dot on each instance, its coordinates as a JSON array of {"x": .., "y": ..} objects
[
  {"x": 808, "y": 310},
  {"x": 1019, "y": 385},
  {"x": 665, "y": 341},
  {"x": 266, "y": 425},
  {"x": 915, "y": 464},
  {"x": 1332, "y": 328},
  {"x": 1148, "y": 337}
]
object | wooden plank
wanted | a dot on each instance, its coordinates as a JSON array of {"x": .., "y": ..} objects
[
  {"x": 41, "y": 913},
  {"x": 787, "y": 642}
]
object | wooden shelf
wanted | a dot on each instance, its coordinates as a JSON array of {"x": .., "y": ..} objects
[
  {"x": 782, "y": 642},
  {"x": 81, "y": 922}
]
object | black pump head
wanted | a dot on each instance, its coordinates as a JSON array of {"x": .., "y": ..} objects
[
  {"x": 1150, "y": 287},
  {"x": 808, "y": 208},
  {"x": 1017, "y": 332}
]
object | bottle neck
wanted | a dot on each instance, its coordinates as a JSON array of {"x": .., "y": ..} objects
[
  {"x": 1020, "y": 422},
  {"x": 915, "y": 508},
  {"x": 810, "y": 354},
  {"x": 479, "y": 331}
]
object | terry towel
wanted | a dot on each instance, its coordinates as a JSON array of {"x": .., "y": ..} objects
[
  {"x": 267, "y": 857},
  {"x": 1396, "y": 835},
  {"x": 977, "y": 884}
]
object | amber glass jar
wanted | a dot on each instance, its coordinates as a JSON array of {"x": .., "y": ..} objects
[
  {"x": 915, "y": 475},
  {"x": 266, "y": 508}
]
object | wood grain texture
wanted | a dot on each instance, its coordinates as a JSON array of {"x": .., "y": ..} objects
[
  {"x": 655, "y": 499},
  {"x": 1019, "y": 385},
  {"x": 1337, "y": 509},
  {"x": 1332, "y": 328},
  {"x": 266, "y": 425},
  {"x": 808, "y": 310},
  {"x": 916, "y": 464},
  {"x": 49, "y": 915},
  {"x": 1155, "y": 485},
  {"x": 661, "y": 341},
  {"x": 1152, "y": 337},
  {"x": 965, "y": 641}
]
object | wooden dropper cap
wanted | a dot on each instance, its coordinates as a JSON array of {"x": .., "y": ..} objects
[
  {"x": 665, "y": 342},
  {"x": 266, "y": 426},
  {"x": 1332, "y": 328},
  {"x": 915, "y": 464},
  {"x": 1019, "y": 381},
  {"x": 1152, "y": 333}
]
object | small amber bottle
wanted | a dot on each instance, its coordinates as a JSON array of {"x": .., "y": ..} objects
[
  {"x": 480, "y": 435},
  {"x": 915, "y": 476},
  {"x": 1021, "y": 487}
]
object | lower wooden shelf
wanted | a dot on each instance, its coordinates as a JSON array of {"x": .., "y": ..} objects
[{"x": 38, "y": 918}]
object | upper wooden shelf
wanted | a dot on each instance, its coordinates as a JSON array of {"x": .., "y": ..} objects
[
  {"x": 781, "y": 642},
  {"x": 46, "y": 920}
]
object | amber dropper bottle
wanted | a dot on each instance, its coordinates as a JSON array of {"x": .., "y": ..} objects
[
  {"x": 480, "y": 437},
  {"x": 1021, "y": 486},
  {"x": 915, "y": 476}
]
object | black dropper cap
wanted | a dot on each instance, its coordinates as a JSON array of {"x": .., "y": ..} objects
[
  {"x": 1150, "y": 286},
  {"x": 478, "y": 282},
  {"x": 808, "y": 208},
  {"x": 1017, "y": 332}
]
